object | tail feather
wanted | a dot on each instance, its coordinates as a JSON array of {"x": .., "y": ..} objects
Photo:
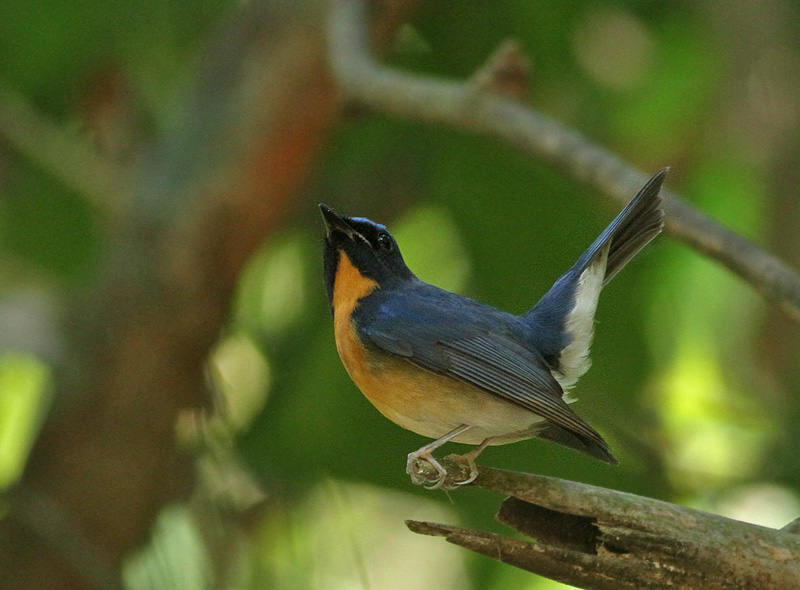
[
  {"x": 562, "y": 323},
  {"x": 634, "y": 228},
  {"x": 572, "y": 440}
]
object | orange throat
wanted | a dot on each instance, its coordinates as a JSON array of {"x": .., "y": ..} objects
[{"x": 349, "y": 287}]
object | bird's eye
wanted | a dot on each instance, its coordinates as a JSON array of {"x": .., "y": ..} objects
[{"x": 384, "y": 241}]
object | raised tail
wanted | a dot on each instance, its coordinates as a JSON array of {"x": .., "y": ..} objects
[
  {"x": 561, "y": 325},
  {"x": 634, "y": 228}
]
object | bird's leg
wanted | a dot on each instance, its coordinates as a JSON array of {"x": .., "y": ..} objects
[
  {"x": 470, "y": 458},
  {"x": 426, "y": 454}
]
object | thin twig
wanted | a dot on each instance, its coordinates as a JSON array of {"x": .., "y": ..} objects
[
  {"x": 66, "y": 156},
  {"x": 474, "y": 107}
]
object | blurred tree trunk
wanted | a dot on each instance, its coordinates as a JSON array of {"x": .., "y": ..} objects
[{"x": 200, "y": 199}]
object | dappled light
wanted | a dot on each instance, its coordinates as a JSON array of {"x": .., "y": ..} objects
[
  {"x": 242, "y": 378},
  {"x": 714, "y": 436},
  {"x": 433, "y": 247},
  {"x": 25, "y": 387},
  {"x": 344, "y": 536},
  {"x": 615, "y": 48},
  {"x": 275, "y": 285}
]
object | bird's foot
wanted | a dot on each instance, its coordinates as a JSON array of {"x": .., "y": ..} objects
[
  {"x": 425, "y": 469},
  {"x": 469, "y": 459}
]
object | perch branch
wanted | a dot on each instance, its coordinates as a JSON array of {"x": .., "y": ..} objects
[
  {"x": 478, "y": 106},
  {"x": 601, "y": 539}
]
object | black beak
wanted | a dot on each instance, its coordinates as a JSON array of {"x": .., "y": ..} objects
[{"x": 334, "y": 222}]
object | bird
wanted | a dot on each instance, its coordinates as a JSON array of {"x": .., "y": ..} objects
[{"x": 450, "y": 368}]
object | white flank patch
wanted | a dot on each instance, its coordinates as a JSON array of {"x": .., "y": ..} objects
[{"x": 574, "y": 359}]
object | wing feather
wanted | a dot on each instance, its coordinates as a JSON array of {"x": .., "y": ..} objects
[{"x": 502, "y": 367}]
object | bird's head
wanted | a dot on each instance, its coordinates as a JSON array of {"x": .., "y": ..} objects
[{"x": 364, "y": 245}]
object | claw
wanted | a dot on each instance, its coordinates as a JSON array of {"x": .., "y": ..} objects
[
  {"x": 470, "y": 459},
  {"x": 473, "y": 472},
  {"x": 415, "y": 468}
]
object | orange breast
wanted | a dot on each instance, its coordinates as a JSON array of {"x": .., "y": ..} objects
[{"x": 383, "y": 380}]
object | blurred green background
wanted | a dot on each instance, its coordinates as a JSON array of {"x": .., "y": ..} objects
[{"x": 695, "y": 378}]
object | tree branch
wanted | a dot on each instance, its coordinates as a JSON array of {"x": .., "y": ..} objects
[
  {"x": 601, "y": 539},
  {"x": 68, "y": 157},
  {"x": 477, "y": 106}
]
